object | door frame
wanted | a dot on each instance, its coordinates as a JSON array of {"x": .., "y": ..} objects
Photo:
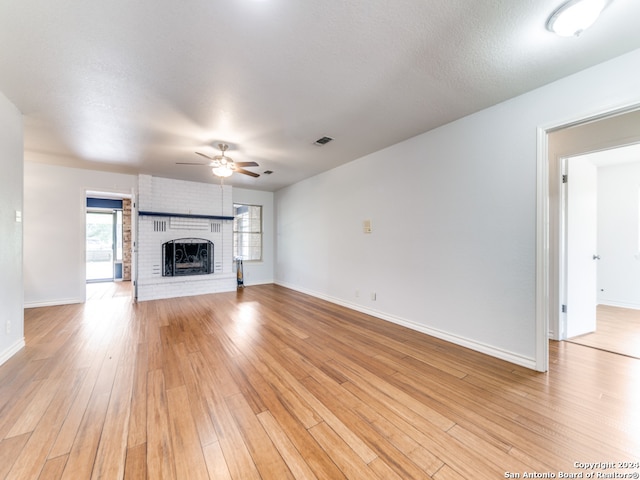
[
  {"x": 119, "y": 194},
  {"x": 548, "y": 228}
]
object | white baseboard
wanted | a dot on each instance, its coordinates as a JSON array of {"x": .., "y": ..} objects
[
  {"x": 12, "y": 350},
  {"x": 613, "y": 303},
  {"x": 492, "y": 351},
  {"x": 53, "y": 303},
  {"x": 266, "y": 282}
]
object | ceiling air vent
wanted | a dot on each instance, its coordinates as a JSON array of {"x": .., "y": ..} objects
[{"x": 322, "y": 141}]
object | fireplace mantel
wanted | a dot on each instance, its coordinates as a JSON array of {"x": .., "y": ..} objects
[{"x": 182, "y": 215}]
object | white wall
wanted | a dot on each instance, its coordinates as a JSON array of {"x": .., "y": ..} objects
[
  {"x": 11, "y": 313},
  {"x": 54, "y": 229},
  {"x": 260, "y": 272},
  {"x": 618, "y": 228},
  {"x": 453, "y": 248}
]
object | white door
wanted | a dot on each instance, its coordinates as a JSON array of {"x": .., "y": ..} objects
[{"x": 581, "y": 247}]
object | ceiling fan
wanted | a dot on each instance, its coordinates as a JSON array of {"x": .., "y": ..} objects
[{"x": 223, "y": 166}]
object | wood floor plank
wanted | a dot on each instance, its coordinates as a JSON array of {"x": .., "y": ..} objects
[
  {"x": 392, "y": 393},
  {"x": 53, "y": 468},
  {"x": 319, "y": 408},
  {"x": 346, "y": 459},
  {"x": 153, "y": 315},
  {"x": 10, "y": 448},
  {"x": 280, "y": 407},
  {"x": 137, "y": 431},
  {"x": 297, "y": 405},
  {"x": 267, "y": 382},
  {"x": 160, "y": 461},
  {"x": 265, "y": 455},
  {"x": 20, "y": 373},
  {"x": 13, "y": 409},
  {"x": 187, "y": 450},
  {"x": 216, "y": 464},
  {"x": 170, "y": 363},
  {"x": 85, "y": 446},
  {"x": 234, "y": 448},
  {"x": 31, "y": 459},
  {"x": 331, "y": 409},
  {"x": 112, "y": 449},
  {"x": 344, "y": 404},
  {"x": 197, "y": 400},
  {"x": 436, "y": 441},
  {"x": 447, "y": 473},
  {"x": 498, "y": 456},
  {"x": 136, "y": 462},
  {"x": 383, "y": 470},
  {"x": 292, "y": 457},
  {"x": 69, "y": 430}
]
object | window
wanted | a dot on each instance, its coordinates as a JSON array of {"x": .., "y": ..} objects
[{"x": 247, "y": 232}]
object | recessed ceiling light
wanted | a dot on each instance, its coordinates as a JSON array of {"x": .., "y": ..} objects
[{"x": 575, "y": 16}]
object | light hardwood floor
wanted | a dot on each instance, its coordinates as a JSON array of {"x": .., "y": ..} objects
[
  {"x": 617, "y": 331},
  {"x": 273, "y": 384},
  {"x": 105, "y": 290}
]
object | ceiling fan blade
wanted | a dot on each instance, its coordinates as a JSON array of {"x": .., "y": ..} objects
[
  {"x": 192, "y": 163},
  {"x": 246, "y": 164},
  {"x": 205, "y": 156},
  {"x": 246, "y": 172}
]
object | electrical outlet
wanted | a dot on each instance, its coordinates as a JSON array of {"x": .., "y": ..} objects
[
  {"x": 8, "y": 327},
  {"x": 357, "y": 293},
  {"x": 373, "y": 296}
]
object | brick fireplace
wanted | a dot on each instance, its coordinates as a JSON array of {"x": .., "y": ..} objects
[{"x": 188, "y": 219}]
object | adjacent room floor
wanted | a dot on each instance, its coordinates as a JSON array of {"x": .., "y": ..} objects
[
  {"x": 104, "y": 290},
  {"x": 617, "y": 331}
]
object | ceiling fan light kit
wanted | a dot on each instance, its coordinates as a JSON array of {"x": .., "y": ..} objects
[
  {"x": 222, "y": 171},
  {"x": 575, "y": 16},
  {"x": 223, "y": 166}
]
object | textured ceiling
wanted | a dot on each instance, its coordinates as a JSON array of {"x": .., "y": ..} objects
[{"x": 138, "y": 86}]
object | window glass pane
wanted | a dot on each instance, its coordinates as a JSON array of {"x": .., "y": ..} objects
[{"x": 247, "y": 232}]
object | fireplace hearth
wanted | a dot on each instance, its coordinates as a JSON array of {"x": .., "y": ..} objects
[{"x": 187, "y": 256}]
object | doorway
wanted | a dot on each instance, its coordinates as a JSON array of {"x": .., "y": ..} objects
[
  {"x": 103, "y": 245},
  {"x": 607, "y": 130},
  {"x": 108, "y": 237},
  {"x": 109, "y": 245},
  {"x": 602, "y": 241}
]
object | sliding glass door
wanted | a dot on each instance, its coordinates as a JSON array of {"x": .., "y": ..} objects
[{"x": 101, "y": 246}]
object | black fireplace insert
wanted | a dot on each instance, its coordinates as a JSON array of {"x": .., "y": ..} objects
[{"x": 187, "y": 256}]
